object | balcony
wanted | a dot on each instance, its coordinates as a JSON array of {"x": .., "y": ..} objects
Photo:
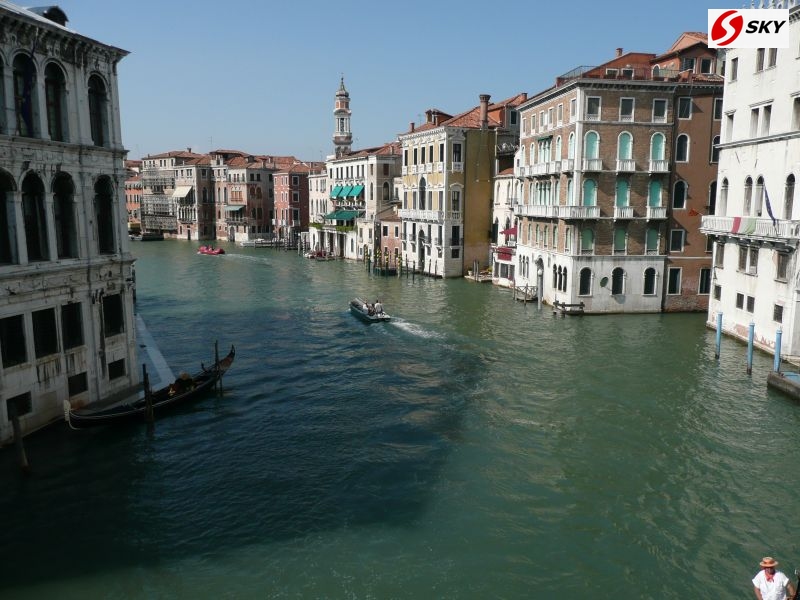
[
  {"x": 659, "y": 166},
  {"x": 404, "y": 170},
  {"x": 656, "y": 213},
  {"x": 568, "y": 165},
  {"x": 577, "y": 212},
  {"x": 751, "y": 228},
  {"x": 623, "y": 212},
  {"x": 545, "y": 211},
  {"x": 554, "y": 166},
  {"x": 413, "y": 214},
  {"x": 458, "y": 167},
  {"x": 592, "y": 164},
  {"x": 626, "y": 166}
]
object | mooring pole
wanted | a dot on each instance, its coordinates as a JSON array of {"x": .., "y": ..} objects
[
  {"x": 18, "y": 444},
  {"x": 776, "y": 365},
  {"x": 148, "y": 396},
  {"x": 719, "y": 334},
  {"x": 750, "y": 335}
]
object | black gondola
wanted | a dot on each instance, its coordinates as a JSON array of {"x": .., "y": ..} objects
[{"x": 161, "y": 399}]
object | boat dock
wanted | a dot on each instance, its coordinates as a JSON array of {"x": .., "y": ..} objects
[{"x": 786, "y": 382}]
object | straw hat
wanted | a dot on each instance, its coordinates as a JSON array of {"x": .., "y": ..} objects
[{"x": 768, "y": 561}]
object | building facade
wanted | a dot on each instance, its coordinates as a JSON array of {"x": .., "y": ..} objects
[
  {"x": 755, "y": 221},
  {"x": 66, "y": 301},
  {"x": 448, "y": 170},
  {"x": 610, "y": 202}
]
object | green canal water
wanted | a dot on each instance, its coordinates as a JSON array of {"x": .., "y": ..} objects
[{"x": 474, "y": 447}]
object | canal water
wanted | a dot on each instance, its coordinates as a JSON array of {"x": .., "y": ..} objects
[{"x": 474, "y": 447}]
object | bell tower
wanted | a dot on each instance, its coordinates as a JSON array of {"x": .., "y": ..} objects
[{"x": 342, "y": 137}]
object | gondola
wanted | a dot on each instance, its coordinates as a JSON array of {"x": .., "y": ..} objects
[
  {"x": 366, "y": 312},
  {"x": 161, "y": 399}
]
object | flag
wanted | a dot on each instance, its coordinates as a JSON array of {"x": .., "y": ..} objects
[
  {"x": 693, "y": 212},
  {"x": 769, "y": 208}
]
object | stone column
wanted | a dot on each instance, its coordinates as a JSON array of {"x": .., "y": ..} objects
[{"x": 19, "y": 224}]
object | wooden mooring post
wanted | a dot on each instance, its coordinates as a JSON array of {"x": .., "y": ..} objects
[
  {"x": 24, "y": 465},
  {"x": 149, "y": 417}
]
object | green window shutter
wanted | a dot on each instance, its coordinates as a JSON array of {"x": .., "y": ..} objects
[
  {"x": 622, "y": 192},
  {"x": 625, "y": 146},
  {"x": 654, "y": 197}
]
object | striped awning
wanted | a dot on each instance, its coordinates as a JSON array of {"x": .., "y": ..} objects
[
  {"x": 335, "y": 191},
  {"x": 345, "y": 192},
  {"x": 356, "y": 191}
]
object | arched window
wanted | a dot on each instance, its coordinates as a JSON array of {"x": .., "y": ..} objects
[
  {"x": 558, "y": 148},
  {"x": 98, "y": 111},
  {"x": 34, "y": 218},
  {"x": 788, "y": 198},
  {"x": 8, "y": 244},
  {"x": 622, "y": 192},
  {"x": 649, "y": 282},
  {"x": 560, "y": 279},
  {"x": 679, "y": 195},
  {"x": 589, "y": 192},
  {"x": 104, "y": 214},
  {"x": 555, "y": 277},
  {"x": 723, "y": 197},
  {"x": 715, "y": 149},
  {"x": 592, "y": 145},
  {"x": 748, "y": 195},
  {"x": 570, "y": 193},
  {"x": 533, "y": 155},
  {"x": 585, "y": 283},
  {"x": 682, "y": 148},
  {"x": 654, "y": 193},
  {"x": 625, "y": 146},
  {"x": 25, "y": 97},
  {"x": 759, "y": 195},
  {"x": 55, "y": 92},
  {"x": 571, "y": 146},
  {"x": 555, "y": 236},
  {"x": 64, "y": 216},
  {"x": 657, "y": 146},
  {"x": 617, "y": 281},
  {"x": 564, "y": 281}
]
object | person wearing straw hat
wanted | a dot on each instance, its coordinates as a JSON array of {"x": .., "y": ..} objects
[{"x": 771, "y": 584}]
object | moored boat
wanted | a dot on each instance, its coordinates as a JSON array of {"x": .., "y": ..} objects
[
  {"x": 369, "y": 313},
  {"x": 256, "y": 243},
  {"x": 185, "y": 388}
]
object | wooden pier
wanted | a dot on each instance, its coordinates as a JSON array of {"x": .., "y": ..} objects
[{"x": 563, "y": 309}]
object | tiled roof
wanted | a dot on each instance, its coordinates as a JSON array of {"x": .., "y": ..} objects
[
  {"x": 508, "y": 171},
  {"x": 687, "y": 39},
  {"x": 174, "y": 154}
]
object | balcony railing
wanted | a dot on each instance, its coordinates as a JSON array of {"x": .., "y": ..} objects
[
  {"x": 414, "y": 214},
  {"x": 592, "y": 164},
  {"x": 656, "y": 212},
  {"x": 536, "y": 210},
  {"x": 751, "y": 227},
  {"x": 623, "y": 212},
  {"x": 578, "y": 212},
  {"x": 554, "y": 166},
  {"x": 568, "y": 165},
  {"x": 458, "y": 167},
  {"x": 659, "y": 166},
  {"x": 626, "y": 166}
]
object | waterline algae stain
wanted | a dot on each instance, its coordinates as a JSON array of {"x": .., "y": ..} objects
[{"x": 473, "y": 447}]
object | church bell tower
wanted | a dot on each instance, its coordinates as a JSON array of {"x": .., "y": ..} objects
[{"x": 342, "y": 137}]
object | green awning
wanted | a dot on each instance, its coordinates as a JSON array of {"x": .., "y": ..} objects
[
  {"x": 233, "y": 208},
  {"x": 335, "y": 191},
  {"x": 347, "y": 215},
  {"x": 331, "y": 215},
  {"x": 356, "y": 191},
  {"x": 345, "y": 192}
]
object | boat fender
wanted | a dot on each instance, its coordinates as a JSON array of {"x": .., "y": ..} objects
[{"x": 67, "y": 408}]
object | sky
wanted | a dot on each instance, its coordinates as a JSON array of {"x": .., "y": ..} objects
[{"x": 260, "y": 76}]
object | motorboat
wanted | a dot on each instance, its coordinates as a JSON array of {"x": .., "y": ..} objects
[{"x": 367, "y": 312}]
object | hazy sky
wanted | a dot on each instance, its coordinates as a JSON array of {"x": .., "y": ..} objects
[{"x": 260, "y": 76}]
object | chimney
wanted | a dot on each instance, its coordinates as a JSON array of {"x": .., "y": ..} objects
[
  {"x": 619, "y": 52},
  {"x": 411, "y": 127},
  {"x": 189, "y": 149},
  {"x": 484, "y": 110}
]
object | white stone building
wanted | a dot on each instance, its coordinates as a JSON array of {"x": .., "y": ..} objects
[
  {"x": 756, "y": 221},
  {"x": 66, "y": 299}
]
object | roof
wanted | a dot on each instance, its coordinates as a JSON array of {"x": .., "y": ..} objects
[
  {"x": 172, "y": 153},
  {"x": 687, "y": 39}
]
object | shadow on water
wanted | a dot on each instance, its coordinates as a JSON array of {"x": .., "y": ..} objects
[{"x": 324, "y": 424}]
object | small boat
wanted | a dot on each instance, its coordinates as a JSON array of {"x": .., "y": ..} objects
[
  {"x": 256, "y": 243},
  {"x": 151, "y": 236},
  {"x": 366, "y": 311},
  {"x": 185, "y": 388},
  {"x": 319, "y": 255},
  {"x": 210, "y": 250}
]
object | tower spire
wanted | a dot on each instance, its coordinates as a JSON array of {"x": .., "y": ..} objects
[{"x": 342, "y": 136}]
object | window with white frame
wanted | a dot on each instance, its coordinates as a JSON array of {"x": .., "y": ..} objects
[
  {"x": 593, "y": 108},
  {"x": 682, "y": 148},
  {"x": 659, "y": 110},
  {"x": 677, "y": 239},
  {"x": 560, "y": 114},
  {"x": 573, "y": 109},
  {"x": 649, "y": 283},
  {"x": 626, "y": 109},
  {"x": 687, "y": 64},
  {"x": 734, "y": 70},
  {"x": 618, "y": 281},
  {"x": 685, "y": 108},
  {"x": 717, "y": 109},
  {"x": 759, "y": 59},
  {"x": 585, "y": 282}
]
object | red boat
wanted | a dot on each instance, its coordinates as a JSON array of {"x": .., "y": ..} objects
[{"x": 210, "y": 250}]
